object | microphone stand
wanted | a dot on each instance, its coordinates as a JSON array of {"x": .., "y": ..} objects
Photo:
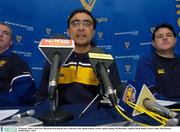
[
  {"x": 99, "y": 95},
  {"x": 55, "y": 116}
]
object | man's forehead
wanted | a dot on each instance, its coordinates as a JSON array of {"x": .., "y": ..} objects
[
  {"x": 81, "y": 16},
  {"x": 4, "y": 27},
  {"x": 163, "y": 30}
]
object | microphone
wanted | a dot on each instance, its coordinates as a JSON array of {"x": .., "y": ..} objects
[
  {"x": 140, "y": 95},
  {"x": 56, "y": 51},
  {"x": 24, "y": 114},
  {"x": 100, "y": 63},
  {"x": 161, "y": 110}
]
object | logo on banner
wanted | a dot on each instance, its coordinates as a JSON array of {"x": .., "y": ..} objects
[
  {"x": 19, "y": 38},
  {"x": 126, "y": 44},
  {"x": 100, "y": 35},
  {"x": 129, "y": 94},
  {"x": 127, "y": 67},
  {"x": 88, "y": 4},
  {"x": 178, "y": 22},
  {"x": 48, "y": 31},
  {"x": 152, "y": 29}
]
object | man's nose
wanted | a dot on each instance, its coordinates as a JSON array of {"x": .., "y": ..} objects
[{"x": 81, "y": 26}]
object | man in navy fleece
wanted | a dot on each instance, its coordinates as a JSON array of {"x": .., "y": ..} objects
[
  {"x": 161, "y": 70},
  {"x": 16, "y": 83}
]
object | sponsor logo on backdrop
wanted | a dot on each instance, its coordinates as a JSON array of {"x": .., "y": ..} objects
[
  {"x": 126, "y": 44},
  {"x": 152, "y": 29},
  {"x": 19, "y": 38},
  {"x": 100, "y": 36},
  {"x": 48, "y": 31},
  {"x": 88, "y": 4},
  {"x": 178, "y": 22},
  {"x": 127, "y": 68}
]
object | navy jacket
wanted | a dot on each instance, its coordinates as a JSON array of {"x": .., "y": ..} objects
[
  {"x": 161, "y": 75},
  {"x": 16, "y": 83}
]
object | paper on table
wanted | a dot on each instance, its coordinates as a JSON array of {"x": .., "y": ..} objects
[{"x": 7, "y": 113}]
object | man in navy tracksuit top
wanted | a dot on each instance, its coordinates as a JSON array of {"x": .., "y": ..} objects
[
  {"x": 161, "y": 71},
  {"x": 77, "y": 82},
  {"x": 16, "y": 83}
]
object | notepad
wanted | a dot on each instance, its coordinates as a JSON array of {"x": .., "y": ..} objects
[{"x": 7, "y": 113}]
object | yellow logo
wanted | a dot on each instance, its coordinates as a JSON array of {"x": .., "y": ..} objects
[
  {"x": 129, "y": 94},
  {"x": 88, "y": 5},
  {"x": 100, "y": 56},
  {"x": 161, "y": 71},
  {"x": 178, "y": 21},
  {"x": 2, "y": 62},
  {"x": 18, "y": 38}
]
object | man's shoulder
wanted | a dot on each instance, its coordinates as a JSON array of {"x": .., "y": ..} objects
[{"x": 15, "y": 58}]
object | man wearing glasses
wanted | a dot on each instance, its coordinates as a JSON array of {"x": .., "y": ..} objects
[
  {"x": 16, "y": 83},
  {"x": 161, "y": 71},
  {"x": 77, "y": 82}
]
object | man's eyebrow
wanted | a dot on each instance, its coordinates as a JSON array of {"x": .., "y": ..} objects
[{"x": 85, "y": 20}]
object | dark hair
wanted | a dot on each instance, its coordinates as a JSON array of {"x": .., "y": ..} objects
[
  {"x": 81, "y": 11},
  {"x": 5, "y": 24},
  {"x": 163, "y": 25}
]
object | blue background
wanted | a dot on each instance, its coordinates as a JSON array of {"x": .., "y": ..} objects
[{"x": 124, "y": 27}]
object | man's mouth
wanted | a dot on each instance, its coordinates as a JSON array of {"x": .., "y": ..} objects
[{"x": 81, "y": 36}]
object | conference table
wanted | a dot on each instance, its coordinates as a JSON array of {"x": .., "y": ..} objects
[{"x": 95, "y": 115}]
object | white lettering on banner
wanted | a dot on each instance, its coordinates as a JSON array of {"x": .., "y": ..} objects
[
  {"x": 29, "y": 28},
  {"x": 134, "y": 57},
  {"x": 127, "y": 33},
  {"x": 27, "y": 54},
  {"x": 99, "y": 20},
  {"x": 104, "y": 46},
  {"x": 146, "y": 43}
]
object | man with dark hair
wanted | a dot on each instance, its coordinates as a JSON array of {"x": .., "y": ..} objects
[
  {"x": 16, "y": 83},
  {"x": 77, "y": 82},
  {"x": 161, "y": 71}
]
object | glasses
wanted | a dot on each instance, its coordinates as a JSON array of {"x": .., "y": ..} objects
[
  {"x": 160, "y": 36},
  {"x": 85, "y": 23},
  {"x": 5, "y": 32}
]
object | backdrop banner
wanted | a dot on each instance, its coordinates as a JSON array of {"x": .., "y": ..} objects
[{"x": 124, "y": 27}]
